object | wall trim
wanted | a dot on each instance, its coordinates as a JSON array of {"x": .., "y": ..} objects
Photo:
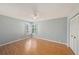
[
  {"x": 10, "y": 42},
  {"x": 50, "y": 40},
  {"x": 32, "y": 37}
]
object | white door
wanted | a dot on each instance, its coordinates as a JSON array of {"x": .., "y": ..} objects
[{"x": 74, "y": 26}]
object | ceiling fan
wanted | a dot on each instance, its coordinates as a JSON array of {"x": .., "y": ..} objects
[{"x": 35, "y": 14}]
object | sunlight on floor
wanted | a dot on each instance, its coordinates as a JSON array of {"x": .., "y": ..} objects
[{"x": 30, "y": 45}]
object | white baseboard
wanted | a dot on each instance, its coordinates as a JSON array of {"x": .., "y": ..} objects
[
  {"x": 33, "y": 37},
  {"x": 12, "y": 41},
  {"x": 50, "y": 40}
]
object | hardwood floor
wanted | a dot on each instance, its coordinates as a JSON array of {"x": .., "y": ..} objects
[{"x": 35, "y": 46}]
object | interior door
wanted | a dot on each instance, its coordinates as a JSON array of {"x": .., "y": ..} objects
[{"x": 74, "y": 39}]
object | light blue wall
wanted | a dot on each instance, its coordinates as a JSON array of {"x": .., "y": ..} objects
[
  {"x": 53, "y": 29},
  {"x": 11, "y": 29}
]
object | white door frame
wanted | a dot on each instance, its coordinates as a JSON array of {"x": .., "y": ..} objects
[{"x": 68, "y": 29}]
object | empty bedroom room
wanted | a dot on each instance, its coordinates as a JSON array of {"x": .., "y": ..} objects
[{"x": 39, "y": 28}]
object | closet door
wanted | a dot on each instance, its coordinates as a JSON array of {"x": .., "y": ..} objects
[{"x": 74, "y": 38}]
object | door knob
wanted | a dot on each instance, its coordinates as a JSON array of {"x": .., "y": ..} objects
[{"x": 74, "y": 37}]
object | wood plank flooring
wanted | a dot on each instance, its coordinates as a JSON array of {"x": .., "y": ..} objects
[{"x": 35, "y": 46}]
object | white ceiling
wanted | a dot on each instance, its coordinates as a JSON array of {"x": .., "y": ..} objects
[{"x": 46, "y": 11}]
